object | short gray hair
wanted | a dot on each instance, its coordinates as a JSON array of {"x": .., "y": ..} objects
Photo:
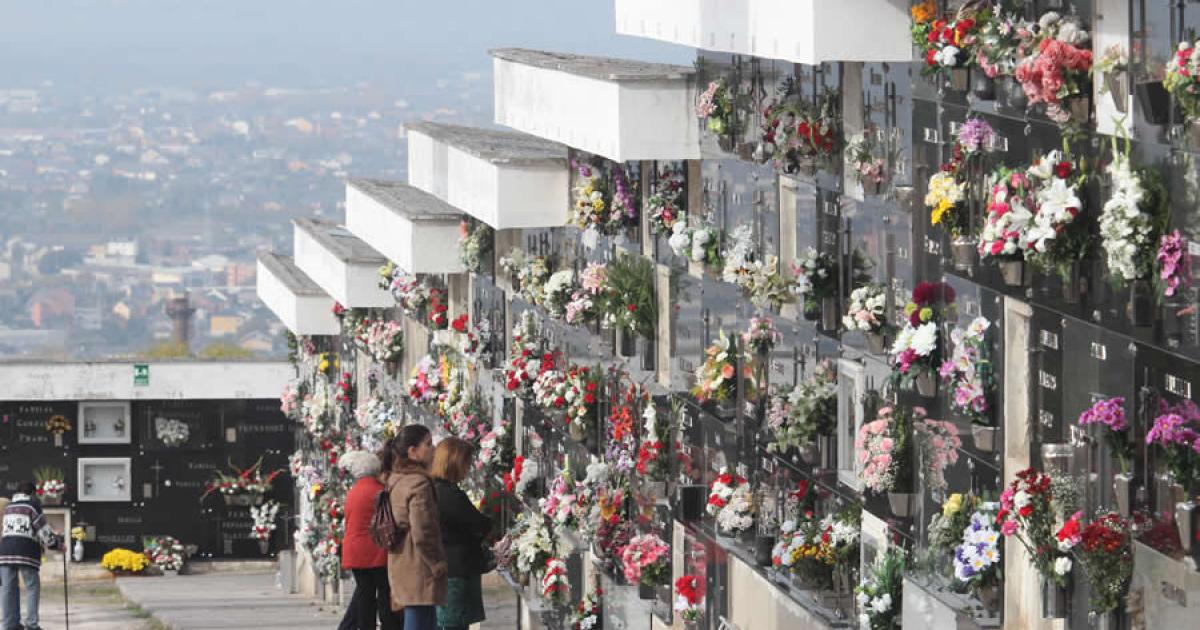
[{"x": 361, "y": 464}]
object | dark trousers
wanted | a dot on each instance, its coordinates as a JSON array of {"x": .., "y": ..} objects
[{"x": 372, "y": 598}]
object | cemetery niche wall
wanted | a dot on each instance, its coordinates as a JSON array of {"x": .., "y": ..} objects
[
  {"x": 912, "y": 342},
  {"x": 148, "y": 473}
]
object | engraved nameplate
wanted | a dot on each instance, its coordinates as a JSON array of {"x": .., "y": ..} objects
[
  {"x": 1099, "y": 351},
  {"x": 1178, "y": 386},
  {"x": 1049, "y": 339},
  {"x": 1046, "y": 418},
  {"x": 932, "y": 135},
  {"x": 1047, "y": 380}
]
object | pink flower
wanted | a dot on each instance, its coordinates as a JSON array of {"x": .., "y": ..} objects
[{"x": 1008, "y": 528}]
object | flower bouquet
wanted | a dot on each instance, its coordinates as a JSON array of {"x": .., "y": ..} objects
[
  {"x": 977, "y": 557},
  {"x": 947, "y": 45},
  {"x": 668, "y": 200},
  {"x": 587, "y": 303},
  {"x": 475, "y": 242},
  {"x": 1028, "y": 512},
  {"x": 559, "y": 503},
  {"x": 1174, "y": 267},
  {"x": 883, "y": 452},
  {"x": 382, "y": 340},
  {"x": 556, "y": 587},
  {"x": 1105, "y": 552},
  {"x": 1110, "y": 414},
  {"x": 646, "y": 562},
  {"x": 629, "y": 304},
  {"x": 816, "y": 282},
  {"x": 915, "y": 353},
  {"x": 1009, "y": 215},
  {"x": 586, "y": 614},
  {"x": 697, "y": 241},
  {"x": 439, "y": 316},
  {"x": 428, "y": 380},
  {"x": 1058, "y": 72},
  {"x": 1176, "y": 433},
  {"x": 968, "y": 373},
  {"x": 867, "y": 313},
  {"x": 1002, "y": 42},
  {"x": 496, "y": 450},
  {"x": 870, "y": 156},
  {"x": 50, "y": 488},
  {"x": 1182, "y": 79},
  {"x": 532, "y": 543},
  {"x": 591, "y": 209},
  {"x": 879, "y": 596},
  {"x": 804, "y": 414},
  {"x": 715, "y": 107},
  {"x": 248, "y": 486},
  {"x": 1055, "y": 240},
  {"x": 946, "y": 527},
  {"x": 939, "y": 444},
  {"x": 652, "y": 463},
  {"x": 731, "y": 503},
  {"x": 122, "y": 561},
  {"x": 689, "y": 598},
  {"x": 557, "y": 293},
  {"x": 166, "y": 553},
  {"x": 716, "y": 378},
  {"x": 523, "y": 474},
  {"x": 760, "y": 336},
  {"x": 1113, "y": 65},
  {"x": 175, "y": 433},
  {"x": 801, "y": 134},
  {"x": 264, "y": 522}
]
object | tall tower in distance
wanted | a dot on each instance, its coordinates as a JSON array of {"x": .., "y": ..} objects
[{"x": 180, "y": 311}]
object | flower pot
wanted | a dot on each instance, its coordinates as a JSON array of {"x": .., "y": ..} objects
[
  {"x": 1186, "y": 522},
  {"x": 264, "y": 546},
  {"x": 576, "y": 431},
  {"x": 830, "y": 314},
  {"x": 58, "y": 440},
  {"x": 763, "y": 546},
  {"x": 984, "y": 437},
  {"x": 1141, "y": 304},
  {"x": 958, "y": 80},
  {"x": 963, "y": 253},
  {"x": 77, "y": 551},
  {"x": 828, "y": 450},
  {"x": 646, "y": 591},
  {"x": 691, "y": 502},
  {"x": 1054, "y": 600},
  {"x": 876, "y": 343},
  {"x": 627, "y": 345},
  {"x": 1072, "y": 286},
  {"x": 51, "y": 501},
  {"x": 648, "y": 354},
  {"x": 1014, "y": 94},
  {"x": 983, "y": 87},
  {"x": 901, "y": 503},
  {"x": 1013, "y": 272},
  {"x": 926, "y": 384},
  {"x": 1118, "y": 87},
  {"x": 1123, "y": 488},
  {"x": 1154, "y": 101},
  {"x": 809, "y": 453},
  {"x": 989, "y": 597},
  {"x": 812, "y": 310}
]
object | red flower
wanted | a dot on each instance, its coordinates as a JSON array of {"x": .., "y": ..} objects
[
  {"x": 631, "y": 307},
  {"x": 460, "y": 323},
  {"x": 1063, "y": 169}
]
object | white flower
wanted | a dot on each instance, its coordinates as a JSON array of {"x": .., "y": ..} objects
[
  {"x": 863, "y": 599},
  {"x": 1021, "y": 499},
  {"x": 924, "y": 339},
  {"x": 864, "y": 620},
  {"x": 947, "y": 56},
  {"x": 1062, "y": 566},
  {"x": 881, "y": 604}
]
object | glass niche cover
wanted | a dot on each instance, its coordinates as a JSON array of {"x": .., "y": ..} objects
[
  {"x": 104, "y": 423},
  {"x": 104, "y": 479}
]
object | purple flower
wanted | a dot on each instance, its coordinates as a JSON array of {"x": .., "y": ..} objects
[
  {"x": 1171, "y": 429},
  {"x": 1173, "y": 267},
  {"x": 1110, "y": 412},
  {"x": 976, "y": 134}
]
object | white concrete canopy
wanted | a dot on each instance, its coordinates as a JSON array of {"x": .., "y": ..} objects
[
  {"x": 342, "y": 265},
  {"x": 416, "y": 230},
  {"x": 620, "y": 109},
  {"x": 294, "y": 298},
  {"x": 801, "y": 31},
  {"x": 506, "y": 179},
  {"x": 168, "y": 380}
]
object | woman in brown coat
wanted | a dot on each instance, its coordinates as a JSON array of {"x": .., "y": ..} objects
[{"x": 417, "y": 572}]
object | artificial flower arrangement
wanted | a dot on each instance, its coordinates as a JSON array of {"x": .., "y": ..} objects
[
  {"x": 946, "y": 527},
  {"x": 621, "y": 444},
  {"x": 946, "y": 44},
  {"x": 249, "y": 481},
  {"x": 327, "y": 558},
  {"x": 696, "y": 240},
  {"x": 1133, "y": 218},
  {"x": 1002, "y": 42},
  {"x": 716, "y": 378},
  {"x": 175, "y": 433},
  {"x": 1010, "y": 206},
  {"x": 584, "y": 386},
  {"x": 1028, "y": 512},
  {"x": 800, "y": 134},
  {"x": 879, "y": 595},
  {"x": 586, "y": 614},
  {"x": 760, "y": 336},
  {"x": 939, "y": 444},
  {"x": 883, "y": 449},
  {"x": 739, "y": 255},
  {"x": 715, "y": 107},
  {"x": 613, "y": 534},
  {"x": 809, "y": 410},
  {"x": 410, "y": 292},
  {"x": 812, "y": 549},
  {"x": 816, "y": 279},
  {"x": 629, "y": 303},
  {"x": 439, "y": 316},
  {"x": 1176, "y": 433},
  {"x": 1110, "y": 414},
  {"x": 476, "y": 343},
  {"x": 977, "y": 558},
  {"x": 525, "y": 360},
  {"x": 58, "y": 424},
  {"x": 1182, "y": 79},
  {"x": 949, "y": 187},
  {"x": 916, "y": 352},
  {"x": 1105, "y": 551},
  {"x": 264, "y": 520},
  {"x": 588, "y": 299},
  {"x": 165, "y": 552},
  {"x": 531, "y": 273},
  {"x": 1058, "y": 71},
  {"x": 475, "y": 242},
  {"x": 557, "y": 293},
  {"x": 1174, "y": 263},
  {"x": 652, "y": 464},
  {"x": 591, "y": 208},
  {"x": 869, "y": 155},
  {"x": 377, "y": 418},
  {"x": 382, "y": 340},
  {"x": 556, "y": 587},
  {"x": 559, "y": 503},
  {"x": 523, "y": 475},
  {"x": 969, "y": 373},
  {"x": 497, "y": 449},
  {"x": 429, "y": 379},
  {"x": 646, "y": 560},
  {"x": 731, "y": 503},
  {"x": 944, "y": 193},
  {"x": 867, "y": 310},
  {"x": 1113, "y": 63},
  {"x": 689, "y": 598},
  {"x": 1055, "y": 240},
  {"x": 667, "y": 202},
  {"x": 532, "y": 543},
  {"x": 50, "y": 487},
  {"x": 124, "y": 561}
]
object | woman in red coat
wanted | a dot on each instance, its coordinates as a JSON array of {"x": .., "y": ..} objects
[{"x": 360, "y": 554}]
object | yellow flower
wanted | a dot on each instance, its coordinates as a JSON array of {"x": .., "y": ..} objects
[
  {"x": 598, "y": 204},
  {"x": 124, "y": 560},
  {"x": 324, "y": 365},
  {"x": 952, "y": 505},
  {"x": 909, "y": 308},
  {"x": 924, "y": 12},
  {"x": 926, "y": 314},
  {"x": 942, "y": 208}
]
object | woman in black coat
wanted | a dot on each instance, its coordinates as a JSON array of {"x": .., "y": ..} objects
[{"x": 463, "y": 532}]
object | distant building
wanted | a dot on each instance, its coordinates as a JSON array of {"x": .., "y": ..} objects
[
  {"x": 224, "y": 325},
  {"x": 48, "y": 307}
]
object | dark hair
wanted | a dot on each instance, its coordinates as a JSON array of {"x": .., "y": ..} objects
[
  {"x": 397, "y": 452},
  {"x": 27, "y": 487}
]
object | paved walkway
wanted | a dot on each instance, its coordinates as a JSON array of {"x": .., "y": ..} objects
[
  {"x": 225, "y": 601},
  {"x": 95, "y": 605}
]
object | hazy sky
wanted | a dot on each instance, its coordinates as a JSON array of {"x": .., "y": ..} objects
[{"x": 141, "y": 42}]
